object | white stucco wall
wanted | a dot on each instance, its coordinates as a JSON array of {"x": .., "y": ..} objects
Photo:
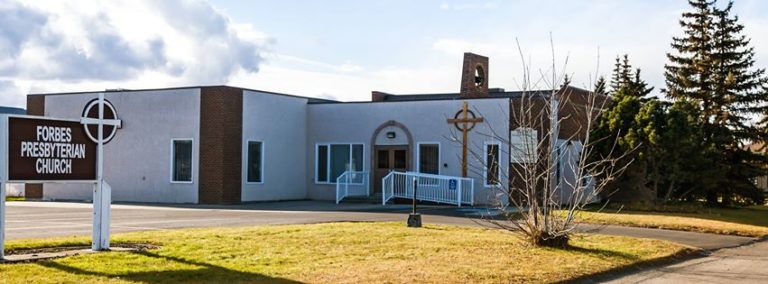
[
  {"x": 280, "y": 123},
  {"x": 426, "y": 121},
  {"x": 138, "y": 160}
]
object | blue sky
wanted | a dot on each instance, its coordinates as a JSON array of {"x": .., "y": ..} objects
[{"x": 332, "y": 49}]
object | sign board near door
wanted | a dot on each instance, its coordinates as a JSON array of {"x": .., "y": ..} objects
[{"x": 41, "y": 149}]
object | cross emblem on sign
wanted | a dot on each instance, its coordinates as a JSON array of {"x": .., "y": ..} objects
[
  {"x": 100, "y": 118},
  {"x": 99, "y": 113},
  {"x": 465, "y": 120}
]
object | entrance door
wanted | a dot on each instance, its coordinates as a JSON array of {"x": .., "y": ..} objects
[{"x": 388, "y": 159}]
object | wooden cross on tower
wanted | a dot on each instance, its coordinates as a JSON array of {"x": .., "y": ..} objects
[{"x": 464, "y": 120}]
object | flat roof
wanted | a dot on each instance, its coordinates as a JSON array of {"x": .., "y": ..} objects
[
  {"x": 445, "y": 96},
  {"x": 493, "y": 94},
  {"x": 311, "y": 99}
]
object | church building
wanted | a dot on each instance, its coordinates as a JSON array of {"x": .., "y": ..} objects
[{"x": 225, "y": 145}]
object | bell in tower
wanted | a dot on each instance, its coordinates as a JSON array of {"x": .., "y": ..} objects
[{"x": 474, "y": 76}]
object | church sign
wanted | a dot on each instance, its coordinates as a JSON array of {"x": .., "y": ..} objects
[{"x": 41, "y": 149}]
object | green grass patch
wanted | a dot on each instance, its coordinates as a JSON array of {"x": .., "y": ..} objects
[
  {"x": 15, "y": 198},
  {"x": 336, "y": 253},
  {"x": 746, "y": 221}
]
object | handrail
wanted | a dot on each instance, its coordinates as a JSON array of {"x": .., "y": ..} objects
[
  {"x": 352, "y": 183},
  {"x": 431, "y": 187}
]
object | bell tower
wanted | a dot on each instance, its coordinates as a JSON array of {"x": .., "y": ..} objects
[{"x": 474, "y": 76}]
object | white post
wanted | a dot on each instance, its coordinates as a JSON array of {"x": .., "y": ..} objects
[
  {"x": 101, "y": 192},
  {"x": 460, "y": 182},
  {"x": 2, "y": 219},
  {"x": 384, "y": 191}
]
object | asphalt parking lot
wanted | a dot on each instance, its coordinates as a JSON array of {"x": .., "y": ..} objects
[{"x": 49, "y": 219}]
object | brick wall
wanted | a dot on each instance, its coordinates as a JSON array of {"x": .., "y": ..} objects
[
  {"x": 35, "y": 106},
  {"x": 469, "y": 88},
  {"x": 221, "y": 136}
]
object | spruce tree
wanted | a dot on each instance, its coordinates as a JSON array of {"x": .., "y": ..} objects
[
  {"x": 600, "y": 86},
  {"x": 566, "y": 81},
  {"x": 616, "y": 76},
  {"x": 711, "y": 67}
]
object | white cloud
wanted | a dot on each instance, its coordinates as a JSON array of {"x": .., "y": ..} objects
[
  {"x": 467, "y": 6},
  {"x": 54, "y": 46}
]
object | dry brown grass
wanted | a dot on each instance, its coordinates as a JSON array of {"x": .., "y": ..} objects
[
  {"x": 708, "y": 222},
  {"x": 339, "y": 253}
]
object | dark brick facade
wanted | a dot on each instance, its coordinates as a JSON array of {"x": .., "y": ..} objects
[
  {"x": 221, "y": 136},
  {"x": 35, "y": 106},
  {"x": 533, "y": 111},
  {"x": 473, "y": 86}
]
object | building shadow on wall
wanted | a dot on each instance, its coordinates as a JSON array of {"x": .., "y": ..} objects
[{"x": 200, "y": 273}]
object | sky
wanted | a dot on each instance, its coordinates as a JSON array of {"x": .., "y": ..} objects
[{"x": 337, "y": 49}]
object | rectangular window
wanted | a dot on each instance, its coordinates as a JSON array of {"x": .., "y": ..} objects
[
  {"x": 334, "y": 159},
  {"x": 181, "y": 168},
  {"x": 339, "y": 160},
  {"x": 429, "y": 158},
  {"x": 492, "y": 170},
  {"x": 322, "y": 163},
  {"x": 255, "y": 169},
  {"x": 524, "y": 145}
]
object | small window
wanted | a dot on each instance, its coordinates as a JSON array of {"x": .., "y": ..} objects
[
  {"x": 182, "y": 161},
  {"x": 339, "y": 160},
  {"x": 335, "y": 159},
  {"x": 400, "y": 159},
  {"x": 382, "y": 159},
  {"x": 492, "y": 170},
  {"x": 322, "y": 163},
  {"x": 524, "y": 145},
  {"x": 429, "y": 158},
  {"x": 255, "y": 169}
]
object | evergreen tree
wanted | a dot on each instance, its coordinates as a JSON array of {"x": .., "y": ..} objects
[
  {"x": 639, "y": 87},
  {"x": 625, "y": 75},
  {"x": 616, "y": 76},
  {"x": 566, "y": 81},
  {"x": 712, "y": 69},
  {"x": 600, "y": 86}
]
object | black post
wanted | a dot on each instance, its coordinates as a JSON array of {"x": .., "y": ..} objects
[{"x": 414, "y": 219}]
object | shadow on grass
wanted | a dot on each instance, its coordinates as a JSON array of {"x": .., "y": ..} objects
[
  {"x": 203, "y": 273},
  {"x": 637, "y": 267},
  {"x": 601, "y": 252}
]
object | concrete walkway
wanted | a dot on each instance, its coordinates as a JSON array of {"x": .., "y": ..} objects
[{"x": 746, "y": 264}]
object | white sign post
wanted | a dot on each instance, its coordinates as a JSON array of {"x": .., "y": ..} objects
[
  {"x": 2, "y": 219},
  {"x": 102, "y": 192}
]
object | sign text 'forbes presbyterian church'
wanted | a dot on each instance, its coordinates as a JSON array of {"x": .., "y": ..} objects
[{"x": 44, "y": 149}]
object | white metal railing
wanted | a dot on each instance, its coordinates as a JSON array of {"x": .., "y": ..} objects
[
  {"x": 433, "y": 188},
  {"x": 352, "y": 183}
]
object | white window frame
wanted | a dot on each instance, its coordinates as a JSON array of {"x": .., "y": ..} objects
[
  {"x": 332, "y": 180},
  {"x": 485, "y": 162},
  {"x": 192, "y": 162},
  {"x": 247, "y": 158},
  {"x": 439, "y": 157}
]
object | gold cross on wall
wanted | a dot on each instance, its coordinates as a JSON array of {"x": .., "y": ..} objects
[{"x": 465, "y": 120}]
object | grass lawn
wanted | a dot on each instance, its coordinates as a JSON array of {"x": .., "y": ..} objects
[
  {"x": 337, "y": 253},
  {"x": 750, "y": 222},
  {"x": 15, "y": 198}
]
